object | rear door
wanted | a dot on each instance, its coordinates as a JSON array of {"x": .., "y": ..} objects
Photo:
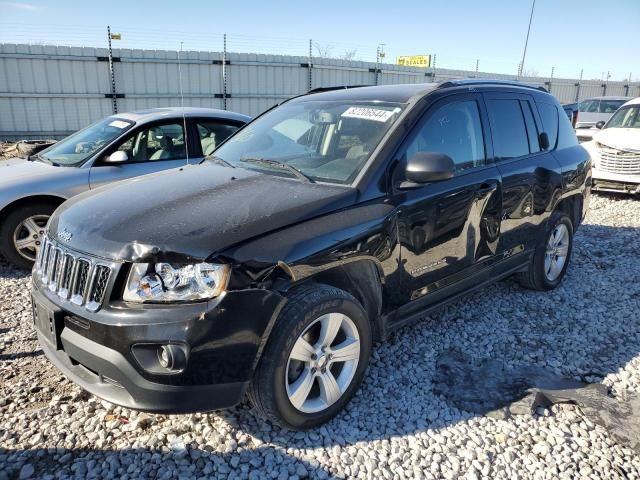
[
  {"x": 448, "y": 230},
  {"x": 531, "y": 177},
  {"x": 150, "y": 148}
]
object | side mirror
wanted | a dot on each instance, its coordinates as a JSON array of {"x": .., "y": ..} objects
[
  {"x": 427, "y": 167},
  {"x": 544, "y": 141},
  {"x": 600, "y": 124},
  {"x": 117, "y": 157}
]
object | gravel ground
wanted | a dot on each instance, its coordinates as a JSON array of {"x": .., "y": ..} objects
[{"x": 396, "y": 426}]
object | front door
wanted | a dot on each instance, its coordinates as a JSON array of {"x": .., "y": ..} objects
[
  {"x": 449, "y": 229},
  {"x": 149, "y": 149}
]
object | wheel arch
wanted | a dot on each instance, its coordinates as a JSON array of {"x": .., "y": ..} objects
[
  {"x": 360, "y": 277},
  {"x": 52, "y": 199},
  {"x": 572, "y": 206}
]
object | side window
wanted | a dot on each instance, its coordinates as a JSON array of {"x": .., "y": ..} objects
[
  {"x": 454, "y": 129},
  {"x": 508, "y": 129},
  {"x": 532, "y": 130},
  {"x": 590, "y": 106},
  {"x": 159, "y": 142},
  {"x": 212, "y": 133},
  {"x": 566, "y": 134},
  {"x": 549, "y": 115}
]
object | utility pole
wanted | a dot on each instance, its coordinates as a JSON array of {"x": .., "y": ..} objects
[{"x": 526, "y": 42}]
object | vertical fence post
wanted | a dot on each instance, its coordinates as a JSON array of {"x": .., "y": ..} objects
[
  {"x": 377, "y": 64},
  {"x": 310, "y": 64},
  {"x": 477, "y": 67},
  {"x": 114, "y": 101},
  {"x": 551, "y": 79},
  {"x": 433, "y": 74},
  {"x": 627, "y": 87},
  {"x": 578, "y": 85},
  {"x": 224, "y": 71}
]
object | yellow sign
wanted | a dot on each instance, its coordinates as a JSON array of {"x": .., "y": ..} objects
[
  {"x": 116, "y": 36},
  {"x": 414, "y": 61}
]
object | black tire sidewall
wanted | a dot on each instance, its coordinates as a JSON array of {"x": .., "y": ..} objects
[
  {"x": 555, "y": 220},
  {"x": 9, "y": 225},
  {"x": 284, "y": 338}
]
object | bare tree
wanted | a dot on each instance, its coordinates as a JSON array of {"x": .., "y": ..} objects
[
  {"x": 530, "y": 73},
  {"x": 350, "y": 54},
  {"x": 323, "y": 51}
]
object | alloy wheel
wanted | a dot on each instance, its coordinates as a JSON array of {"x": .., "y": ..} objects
[
  {"x": 556, "y": 252},
  {"x": 27, "y": 237},
  {"x": 322, "y": 363}
]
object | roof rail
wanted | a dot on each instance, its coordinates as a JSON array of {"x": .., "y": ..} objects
[
  {"x": 337, "y": 87},
  {"x": 479, "y": 81}
]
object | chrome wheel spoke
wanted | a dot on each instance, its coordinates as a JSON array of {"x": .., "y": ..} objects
[
  {"x": 302, "y": 351},
  {"x": 31, "y": 225},
  {"x": 299, "y": 390},
  {"x": 346, "y": 351},
  {"x": 562, "y": 250},
  {"x": 330, "y": 326},
  {"x": 24, "y": 243},
  {"x": 329, "y": 389}
]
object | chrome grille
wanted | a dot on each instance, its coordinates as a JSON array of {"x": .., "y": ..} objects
[
  {"x": 80, "y": 280},
  {"x": 619, "y": 161}
]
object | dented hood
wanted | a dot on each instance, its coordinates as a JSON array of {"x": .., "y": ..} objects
[{"x": 189, "y": 213}]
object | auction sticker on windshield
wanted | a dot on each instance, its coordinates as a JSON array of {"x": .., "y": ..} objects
[
  {"x": 119, "y": 124},
  {"x": 366, "y": 113}
]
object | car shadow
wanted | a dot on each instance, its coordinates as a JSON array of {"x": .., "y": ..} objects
[{"x": 435, "y": 373}]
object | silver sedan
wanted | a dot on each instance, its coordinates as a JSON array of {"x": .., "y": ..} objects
[{"x": 116, "y": 148}]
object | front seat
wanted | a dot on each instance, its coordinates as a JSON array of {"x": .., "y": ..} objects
[{"x": 166, "y": 148}]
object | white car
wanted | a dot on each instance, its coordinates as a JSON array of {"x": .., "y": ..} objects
[
  {"x": 593, "y": 111},
  {"x": 615, "y": 151}
]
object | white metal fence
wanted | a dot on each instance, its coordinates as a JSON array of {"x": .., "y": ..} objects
[{"x": 50, "y": 91}]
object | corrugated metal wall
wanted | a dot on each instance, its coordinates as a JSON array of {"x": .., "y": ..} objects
[{"x": 50, "y": 91}]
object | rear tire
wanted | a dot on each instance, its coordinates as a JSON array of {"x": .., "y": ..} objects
[
  {"x": 331, "y": 370},
  {"x": 551, "y": 257},
  {"x": 24, "y": 227}
]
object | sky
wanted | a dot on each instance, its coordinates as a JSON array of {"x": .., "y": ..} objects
[{"x": 570, "y": 36}]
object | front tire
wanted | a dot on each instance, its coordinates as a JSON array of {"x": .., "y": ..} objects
[
  {"x": 551, "y": 257},
  {"x": 315, "y": 358},
  {"x": 21, "y": 233}
]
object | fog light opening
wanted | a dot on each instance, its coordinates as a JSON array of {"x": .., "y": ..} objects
[{"x": 171, "y": 357}]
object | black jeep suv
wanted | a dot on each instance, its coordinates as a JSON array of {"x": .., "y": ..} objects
[{"x": 327, "y": 222}]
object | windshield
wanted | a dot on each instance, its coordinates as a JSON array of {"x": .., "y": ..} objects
[
  {"x": 326, "y": 141},
  {"x": 627, "y": 117},
  {"x": 79, "y": 146}
]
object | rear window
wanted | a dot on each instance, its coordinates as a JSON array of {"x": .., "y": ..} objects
[
  {"x": 549, "y": 116},
  {"x": 566, "y": 133}
]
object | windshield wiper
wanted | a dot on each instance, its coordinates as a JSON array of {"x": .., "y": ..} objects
[
  {"x": 219, "y": 161},
  {"x": 40, "y": 158},
  {"x": 284, "y": 166}
]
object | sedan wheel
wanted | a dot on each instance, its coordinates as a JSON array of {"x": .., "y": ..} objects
[
  {"x": 27, "y": 236},
  {"x": 322, "y": 363}
]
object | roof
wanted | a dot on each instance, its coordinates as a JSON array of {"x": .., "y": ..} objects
[
  {"x": 402, "y": 93},
  {"x": 607, "y": 97},
  {"x": 635, "y": 101},
  {"x": 385, "y": 93},
  {"x": 152, "y": 114}
]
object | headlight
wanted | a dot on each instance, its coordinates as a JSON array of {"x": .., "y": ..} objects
[{"x": 170, "y": 282}]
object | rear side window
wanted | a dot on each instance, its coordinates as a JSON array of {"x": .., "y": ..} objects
[
  {"x": 566, "y": 133},
  {"x": 508, "y": 128},
  {"x": 549, "y": 115}
]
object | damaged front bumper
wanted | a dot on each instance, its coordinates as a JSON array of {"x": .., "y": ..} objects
[{"x": 113, "y": 353}]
